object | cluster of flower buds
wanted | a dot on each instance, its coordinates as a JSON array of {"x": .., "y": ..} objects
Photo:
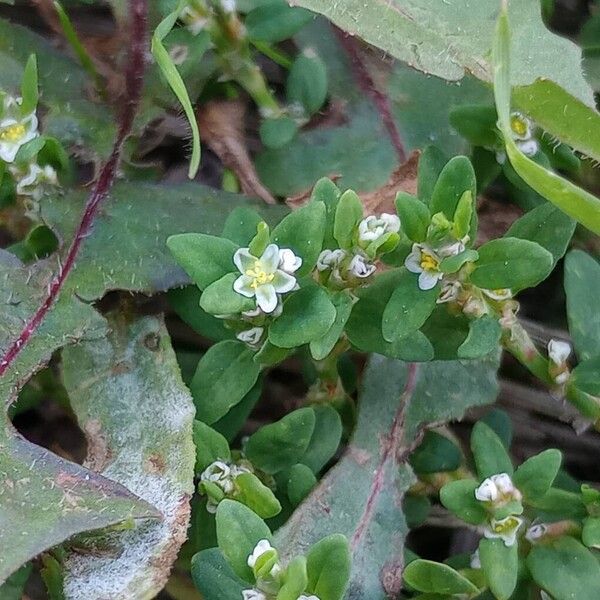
[
  {"x": 339, "y": 268},
  {"x": 217, "y": 481},
  {"x": 496, "y": 492},
  {"x": 558, "y": 355}
]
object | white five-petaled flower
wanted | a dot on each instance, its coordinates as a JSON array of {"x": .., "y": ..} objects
[
  {"x": 497, "y": 487},
  {"x": 505, "y": 529},
  {"x": 360, "y": 267},
  {"x": 536, "y": 532},
  {"x": 426, "y": 262},
  {"x": 251, "y": 336},
  {"x": 262, "y": 277},
  {"x": 372, "y": 227},
  {"x": 253, "y": 595},
  {"x": 15, "y": 130}
]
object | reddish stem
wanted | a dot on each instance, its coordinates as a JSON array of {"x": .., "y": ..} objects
[
  {"x": 366, "y": 83},
  {"x": 138, "y": 13}
]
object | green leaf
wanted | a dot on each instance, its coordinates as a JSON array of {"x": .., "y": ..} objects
[
  {"x": 29, "y": 86},
  {"x": 176, "y": 83},
  {"x": 565, "y": 569},
  {"x": 574, "y": 201},
  {"x": 463, "y": 215},
  {"x": 431, "y": 163},
  {"x": 408, "y": 307},
  {"x": 275, "y": 22},
  {"x": 483, "y": 338},
  {"x": 511, "y": 263},
  {"x": 327, "y": 192},
  {"x": 489, "y": 452},
  {"x": 325, "y": 438},
  {"x": 210, "y": 446},
  {"x": 214, "y": 578},
  {"x": 363, "y": 498},
  {"x": 53, "y": 577},
  {"x": 456, "y": 178},
  {"x": 301, "y": 480},
  {"x": 239, "y": 529},
  {"x": 328, "y": 567},
  {"x": 302, "y": 231},
  {"x": 256, "y": 495},
  {"x": 231, "y": 424},
  {"x": 307, "y": 315},
  {"x": 278, "y": 132},
  {"x": 582, "y": 287},
  {"x": 240, "y": 226},
  {"x": 225, "y": 374},
  {"x": 321, "y": 347},
  {"x": 206, "y": 258},
  {"x": 294, "y": 580},
  {"x": 590, "y": 534},
  {"x": 429, "y": 576},
  {"x": 546, "y": 225},
  {"x": 364, "y": 327},
  {"x": 537, "y": 474},
  {"x": 453, "y": 264},
  {"x": 414, "y": 216},
  {"x": 280, "y": 445},
  {"x": 219, "y": 298},
  {"x": 459, "y": 498},
  {"x": 476, "y": 123},
  {"x": 138, "y": 416},
  {"x": 348, "y": 214},
  {"x": 435, "y": 454},
  {"x": 14, "y": 587},
  {"x": 500, "y": 564},
  {"x": 307, "y": 82}
]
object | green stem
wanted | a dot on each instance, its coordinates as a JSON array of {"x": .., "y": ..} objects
[{"x": 278, "y": 57}]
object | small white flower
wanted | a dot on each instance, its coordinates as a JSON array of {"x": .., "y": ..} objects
[
  {"x": 253, "y": 595},
  {"x": 218, "y": 472},
  {"x": 475, "y": 562},
  {"x": 305, "y": 597},
  {"x": 31, "y": 183},
  {"x": 359, "y": 267},
  {"x": 251, "y": 336},
  {"x": 451, "y": 249},
  {"x": 450, "y": 291},
  {"x": 536, "y": 532},
  {"x": 288, "y": 261},
  {"x": 487, "y": 491},
  {"x": 228, "y": 6},
  {"x": 426, "y": 262},
  {"x": 261, "y": 277},
  {"x": 520, "y": 126},
  {"x": 559, "y": 352},
  {"x": 330, "y": 259},
  {"x": 499, "y": 294},
  {"x": 372, "y": 228},
  {"x": 15, "y": 131},
  {"x": 504, "y": 529},
  {"x": 261, "y": 547}
]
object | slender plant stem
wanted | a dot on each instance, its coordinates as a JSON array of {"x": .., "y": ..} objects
[{"x": 138, "y": 47}]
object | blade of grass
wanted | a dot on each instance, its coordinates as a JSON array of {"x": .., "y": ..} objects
[
  {"x": 571, "y": 199},
  {"x": 169, "y": 70}
]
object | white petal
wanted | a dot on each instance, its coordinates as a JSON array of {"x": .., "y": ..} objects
[
  {"x": 283, "y": 282},
  {"x": 250, "y": 336},
  {"x": 8, "y": 151},
  {"x": 243, "y": 260},
  {"x": 392, "y": 222},
  {"x": 270, "y": 259},
  {"x": 504, "y": 483},
  {"x": 487, "y": 491},
  {"x": 413, "y": 260},
  {"x": 288, "y": 261},
  {"x": 242, "y": 286},
  {"x": 261, "y": 547},
  {"x": 529, "y": 148},
  {"x": 535, "y": 532},
  {"x": 429, "y": 279},
  {"x": 266, "y": 297}
]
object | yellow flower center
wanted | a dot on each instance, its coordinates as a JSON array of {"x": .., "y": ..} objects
[
  {"x": 12, "y": 133},
  {"x": 518, "y": 125},
  {"x": 428, "y": 262},
  {"x": 259, "y": 275},
  {"x": 505, "y": 525}
]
